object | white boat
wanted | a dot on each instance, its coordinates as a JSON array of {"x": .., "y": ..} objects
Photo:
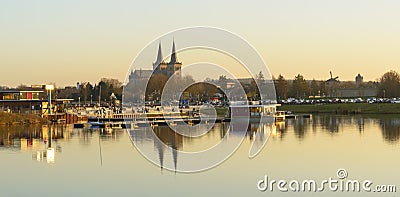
[{"x": 255, "y": 113}]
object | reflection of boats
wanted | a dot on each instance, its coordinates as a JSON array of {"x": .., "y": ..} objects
[
  {"x": 107, "y": 130},
  {"x": 97, "y": 124},
  {"x": 153, "y": 124},
  {"x": 280, "y": 116},
  {"x": 134, "y": 125},
  {"x": 79, "y": 125},
  {"x": 172, "y": 123},
  {"x": 105, "y": 125}
]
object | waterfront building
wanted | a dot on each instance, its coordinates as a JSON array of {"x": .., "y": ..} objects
[
  {"x": 29, "y": 100},
  {"x": 21, "y": 100}
]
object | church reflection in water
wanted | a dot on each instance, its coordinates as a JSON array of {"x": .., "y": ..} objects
[
  {"x": 167, "y": 143},
  {"x": 44, "y": 142},
  {"x": 172, "y": 142}
]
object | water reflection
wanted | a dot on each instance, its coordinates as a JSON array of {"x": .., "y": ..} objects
[
  {"x": 45, "y": 141},
  {"x": 389, "y": 125},
  {"x": 390, "y": 129},
  {"x": 168, "y": 144},
  {"x": 30, "y": 137},
  {"x": 300, "y": 126},
  {"x": 48, "y": 154},
  {"x": 257, "y": 133},
  {"x": 314, "y": 147}
]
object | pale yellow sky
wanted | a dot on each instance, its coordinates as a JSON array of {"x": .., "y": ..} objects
[{"x": 70, "y": 41}]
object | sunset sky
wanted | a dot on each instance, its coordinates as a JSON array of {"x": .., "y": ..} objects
[{"x": 73, "y": 41}]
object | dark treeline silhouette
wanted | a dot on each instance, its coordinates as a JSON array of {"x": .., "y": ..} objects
[
  {"x": 110, "y": 89},
  {"x": 388, "y": 86}
]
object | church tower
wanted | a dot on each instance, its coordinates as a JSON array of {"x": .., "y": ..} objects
[
  {"x": 174, "y": 66},
  {"x": 159, "y": 65},
  {"x": 167, "y": 68}
]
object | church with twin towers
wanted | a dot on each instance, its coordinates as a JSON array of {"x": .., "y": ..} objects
[
  {"x": 160, "y": 66},
  {"x": 167, "y": 68}
]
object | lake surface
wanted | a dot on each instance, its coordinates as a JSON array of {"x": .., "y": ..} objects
[{"x": 85, "y": 162}]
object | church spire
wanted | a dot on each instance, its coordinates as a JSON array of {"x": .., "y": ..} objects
[
  {"x": 159, "y": 56},
  {"x": 174, "y": 59}
]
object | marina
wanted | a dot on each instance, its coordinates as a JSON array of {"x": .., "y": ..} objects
[
  {"x": 307, "y": 144},
  {"x": 199, "y": 98},
  {"x": 96, "y": 119}
]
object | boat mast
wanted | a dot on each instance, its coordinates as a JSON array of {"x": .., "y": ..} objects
[
  {"x": 99, "y": 95},
  {"x": 101, "y": 111}
]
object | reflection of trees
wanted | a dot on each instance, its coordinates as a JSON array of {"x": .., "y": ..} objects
[
  {"x": 223, "y": 129},
  {"x": 10, "y": 133},
  {"x": 252, "y": 129},
  {"x": 390, "y": 129},
  {"x": 360, "y": 124},
  {"x": 85, "y": 137},
  {"x": 300, "y": 127},
  {"x": 390, "y": 125},
  {"x": 330, "y": 123}
]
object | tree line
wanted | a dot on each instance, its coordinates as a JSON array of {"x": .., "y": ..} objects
[
  {"x": 388, "y": 86},
  {"x": 111, "y": 89}
]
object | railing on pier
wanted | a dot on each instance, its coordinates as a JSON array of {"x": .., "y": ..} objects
[{"x": 68, "y": 118}]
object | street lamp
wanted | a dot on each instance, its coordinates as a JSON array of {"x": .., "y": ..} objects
[
  {"x": 99, "y": 95},
  {"x": 91, "y": 99},
  {"x": 49, "y": 88}
]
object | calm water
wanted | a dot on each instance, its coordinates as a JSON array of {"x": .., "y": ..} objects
[{"x": 99, "y": 163}]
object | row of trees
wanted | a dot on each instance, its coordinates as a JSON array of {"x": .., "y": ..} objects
[
  {"x": 88, "y": 92},
  {"x": 387, "y": 86},
  {"x": 298, "y": 88}
]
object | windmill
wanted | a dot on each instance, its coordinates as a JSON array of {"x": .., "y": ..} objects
[
  {"x": 331, "y": 76},
  {"x": 332, "y": 84}
]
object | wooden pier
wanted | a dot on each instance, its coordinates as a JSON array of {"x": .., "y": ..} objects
[{"x": 67, "y": 118}]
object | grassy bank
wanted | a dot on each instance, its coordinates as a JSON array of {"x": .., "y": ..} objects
[
  {"x": 10, "y": 118},
  {"x": 221, "y": 111},
  {"x": 344, "y": 108}
]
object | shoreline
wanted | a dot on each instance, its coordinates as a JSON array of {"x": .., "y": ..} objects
[
  {"x": 18, "y": 119},
  {"x": 343, "y": 108}
]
